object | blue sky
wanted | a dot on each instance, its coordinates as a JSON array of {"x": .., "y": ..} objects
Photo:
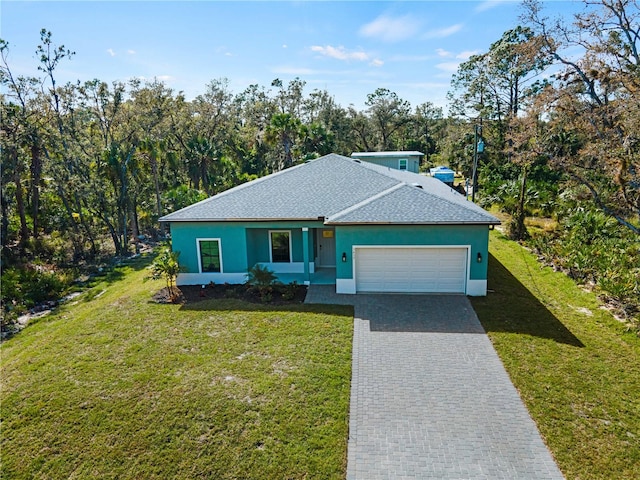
[{"x": 349, "y": 48}]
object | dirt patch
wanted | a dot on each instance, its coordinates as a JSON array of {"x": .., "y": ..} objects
[{"x": 277, "y": 295}]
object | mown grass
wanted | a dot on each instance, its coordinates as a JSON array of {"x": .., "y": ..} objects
[
  {"x": 116, "y": 386},
  {"x": 576, "y": 367}
]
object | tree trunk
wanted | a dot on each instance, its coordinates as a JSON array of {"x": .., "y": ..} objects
[
  {"x": 76, "y": 240},
  {"x": 36, "y": 174},
  {"x": 4, "y": 226},
  {"x": 517, "y": 228},
  {"x": 133, "y": 214},
  {"x": 87, "y": 229},
  {"x": 115, "y": 237},
  {"x": 156, "y": 184},
  {"x": 24, "y": 229},
  {"x": 288, "y": 159}
]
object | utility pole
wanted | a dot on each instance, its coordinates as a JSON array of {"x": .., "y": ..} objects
[{"x": 478, "y": 147}]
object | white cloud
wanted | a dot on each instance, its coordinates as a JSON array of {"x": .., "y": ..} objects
[
  {"x": 111, "y": 52},
  {"x": 340, "y": 53},
  {"x": 224, "y": 51},
  {"x": 463, "y": 56},
  {"x": 449, "y": 67},
  {"x": 489, "y": 4},
  {"x": 285, "y": 46},
  {"x": 165, "y": 78},
  {"x": 376, "y": 63},
  {"x": 466, "y": 54},
  {"x": 131, "y": 52},
  {"x": 444, "y": 32},
  {"x": 390, "y": 29}
]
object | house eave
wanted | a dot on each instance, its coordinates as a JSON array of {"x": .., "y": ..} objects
[
  {"x": 319, "y": 219},
  {"x": 256, "y": 220},
  {"x": 411, "y": 223}
]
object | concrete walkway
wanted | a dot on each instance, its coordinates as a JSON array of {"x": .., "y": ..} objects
[{"x": 429, "y": 395}]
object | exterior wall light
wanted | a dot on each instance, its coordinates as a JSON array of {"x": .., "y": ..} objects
[
  {"x": 344, "y": 256},
  {"x": 479, "y": 258}
]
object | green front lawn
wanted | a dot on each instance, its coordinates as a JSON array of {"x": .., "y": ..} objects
[
  {"x": 117, "y": 386},
  {"x": 576, "y": 368}
]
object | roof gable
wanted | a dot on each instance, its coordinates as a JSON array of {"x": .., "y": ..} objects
[{"x": 407, "y": 204}]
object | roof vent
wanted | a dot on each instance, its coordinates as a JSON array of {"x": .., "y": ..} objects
[
  {"x": 417, "y": 185},
  {"x": 356, "y": 160}
]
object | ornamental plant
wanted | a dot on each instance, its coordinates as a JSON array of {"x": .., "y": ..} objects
[{"x": 166, "y": 266}]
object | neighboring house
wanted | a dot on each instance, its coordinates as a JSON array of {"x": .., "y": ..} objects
[
  {"x": 409, "y": 161},
  {"x": 337, "y": 220}
]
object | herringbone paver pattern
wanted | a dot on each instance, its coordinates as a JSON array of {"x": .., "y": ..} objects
[{"x": 430, "y": 397}]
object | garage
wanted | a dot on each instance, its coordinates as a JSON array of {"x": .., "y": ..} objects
[{"x": 411, "y": 269}]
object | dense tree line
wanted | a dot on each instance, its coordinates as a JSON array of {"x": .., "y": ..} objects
[
  {"x": 558, "y": 103},
  {"x": 578, "y": 116},
  {"x": 90, "y": 161},
  {"x": 87, "y": 168}
]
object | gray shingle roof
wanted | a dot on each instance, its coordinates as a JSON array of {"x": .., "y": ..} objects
[
  {"x": 407, "y": 204},
  {"x": 340, "y": 189}
]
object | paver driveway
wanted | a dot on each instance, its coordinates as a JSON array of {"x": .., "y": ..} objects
[{"x": 429, "y": 395}]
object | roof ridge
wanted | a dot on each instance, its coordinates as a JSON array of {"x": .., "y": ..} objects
[
  {"x": 380, "y": 170},
  {"x": 434, "y": 210},
  {"x": 466, "y": 205},
  {"x": 365, "y": 202}
]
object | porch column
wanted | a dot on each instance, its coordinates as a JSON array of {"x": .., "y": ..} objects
[{"x": 305, "y": 255}]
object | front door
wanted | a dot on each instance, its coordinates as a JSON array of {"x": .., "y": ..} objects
[{"x": 326, "y": 247}]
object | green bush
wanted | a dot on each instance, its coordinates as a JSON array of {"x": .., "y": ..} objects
[
  {"x": 500, "y": 185},
  {"x": 180, "y": 197},
  {"x": 594, "y": 249},
  {"x": 262, "y": 280},
  {"x": 260, "y": 276},
  {"x": 24, "y": 288},
  {"x": 289, "y": 291},
  {"x": 31, "y": 286}
]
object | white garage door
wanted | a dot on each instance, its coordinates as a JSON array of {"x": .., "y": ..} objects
[{"x": 432, "y": 270}]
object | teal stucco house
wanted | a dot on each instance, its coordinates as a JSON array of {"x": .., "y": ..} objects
[{"x": 338, "y": 220}]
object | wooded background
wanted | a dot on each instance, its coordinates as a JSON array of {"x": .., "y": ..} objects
[{"x": 88, "y": 168}]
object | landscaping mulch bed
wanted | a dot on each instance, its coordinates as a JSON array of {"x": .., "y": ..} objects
[{"x": 188, "y": 294}]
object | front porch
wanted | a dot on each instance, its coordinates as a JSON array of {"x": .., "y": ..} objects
[{"x": 305, "y": 255}]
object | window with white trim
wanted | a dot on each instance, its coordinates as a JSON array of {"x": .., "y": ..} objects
[
  {"x": 209, "y": 255},
  {"x": 280, "y": 246},
  {"x": 402, "y": 164}
]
